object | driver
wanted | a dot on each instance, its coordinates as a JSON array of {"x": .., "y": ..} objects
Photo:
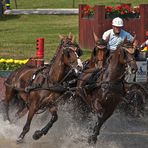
[{"x": 116, "y": 35}]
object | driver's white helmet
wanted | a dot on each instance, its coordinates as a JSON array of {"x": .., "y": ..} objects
[{"x": 117, "y": 22}]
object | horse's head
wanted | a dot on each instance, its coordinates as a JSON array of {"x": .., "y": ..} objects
[
  {"x": 99, "y": 51},
  {"x": 71, "y": 52},
  {"x": 127, "y": 55},
  {"x": 70, "y": 41}
]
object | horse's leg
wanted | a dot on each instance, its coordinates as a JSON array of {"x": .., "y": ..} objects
[
  {"x": 32, "y": 110},
  {"x": 9, "y": 94},
  {"x": 21, "y": 105},
  {"x": 44, "y": 130},
  {"x": 20, "y": 113},
  {"x": 107, "y": 112},
  {"x": 93, "y": 138}
]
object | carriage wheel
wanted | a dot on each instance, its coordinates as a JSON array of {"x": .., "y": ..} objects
[{"x": 134, "y": 103}]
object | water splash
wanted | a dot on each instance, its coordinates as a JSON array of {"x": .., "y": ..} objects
[{"x": 72, "y": 131}]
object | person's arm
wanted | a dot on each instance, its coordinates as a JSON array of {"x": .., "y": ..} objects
[
  {"x": 132, "y": 39},
  {"x": 106, "y": 35},
  {"x": 144, "y": 44},
  {"x": 129, "y": 37}
]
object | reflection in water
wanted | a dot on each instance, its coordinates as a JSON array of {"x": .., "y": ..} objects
[{"x": 71, "y": 131}]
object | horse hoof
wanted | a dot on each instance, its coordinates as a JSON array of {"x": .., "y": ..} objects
[
  {"x": 37, "y": 135},
  {"x": 19, "y": 140},
  {"x": 92, "y": 140}
]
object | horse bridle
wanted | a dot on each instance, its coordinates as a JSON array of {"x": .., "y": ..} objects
[
  {"x": 73, "y": 47},
  {"x": 70, "y": 46}
]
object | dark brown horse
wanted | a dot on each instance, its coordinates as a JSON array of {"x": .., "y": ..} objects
[
  {"x": 66, "y": 57},
  {"x": 93, "y": 65},
  {"x": 109, "y": 89},
  {"x": 97, "y": 59}
]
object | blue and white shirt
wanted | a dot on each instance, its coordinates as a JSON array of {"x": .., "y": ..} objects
[{"x": 115, "y": 40}]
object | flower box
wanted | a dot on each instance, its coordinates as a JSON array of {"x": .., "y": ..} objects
[
  {"x": 88, "y": 12},
  {"x": 122, "y": 11}
]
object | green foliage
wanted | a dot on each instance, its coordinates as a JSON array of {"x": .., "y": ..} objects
[
  {"x": 18, "y": 33},
  {"x": 10, "y": 64},
  {"x": 33, "y": 4}
]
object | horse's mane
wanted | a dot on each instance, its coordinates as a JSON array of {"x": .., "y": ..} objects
[
  {"x": 56, "y": 54},
  {"x": 68, "y": 42}
]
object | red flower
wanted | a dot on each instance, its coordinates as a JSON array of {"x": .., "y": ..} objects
[
  {"x": 118, "y": 8},
  {"x": 123, "y": 10},
  {"x": 108, "y": 9},
  {"x": 88, "y": 11},
  {"x": 86, "y": 8}
]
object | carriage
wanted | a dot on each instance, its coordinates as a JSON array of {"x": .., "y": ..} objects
[{"x": 136, "y": 100}]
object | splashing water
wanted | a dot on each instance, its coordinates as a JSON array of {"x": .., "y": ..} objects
[{"x": 72, "y": 131}]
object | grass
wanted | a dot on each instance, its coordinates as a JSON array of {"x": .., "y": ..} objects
[
  {"x": 29, "y": 4},
  {"x": 18, "y": 33}
]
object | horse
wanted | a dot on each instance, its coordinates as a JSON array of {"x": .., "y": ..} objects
[
  {"x": 45, "y": 97},
  {"x": 92, "y": 66},
  {"x": 31, "y": 63},
  {"x": 96, "y": 61},
  {"x": 13, "y": 77},
  {"x": 31, "y": 68},
  {"x": 109, "y": 86}
]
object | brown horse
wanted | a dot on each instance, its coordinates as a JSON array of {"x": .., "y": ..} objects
[
  {"x": 47, "y": 97},
  {"x": 31, "y": 63},
  {"x": 97, "y": 59},
  {"x": 12, "y": 79},
  {"x": 109, "y": 89},
  {"x": 93, "y": 65},
  {"x": 15, "y": 83},
  {"x": 14, "y": 75}
]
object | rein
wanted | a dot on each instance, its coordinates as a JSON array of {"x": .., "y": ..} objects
[{"x": 66, "y": 76}]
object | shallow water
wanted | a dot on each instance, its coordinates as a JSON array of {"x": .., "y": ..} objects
[{"x": 71, "y": 131}]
